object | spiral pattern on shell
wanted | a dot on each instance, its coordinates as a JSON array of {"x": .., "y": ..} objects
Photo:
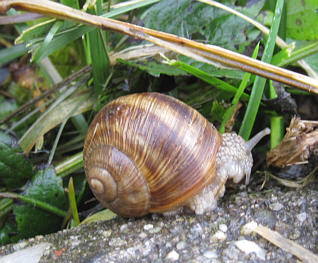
[{"x": 149, "y": 152}]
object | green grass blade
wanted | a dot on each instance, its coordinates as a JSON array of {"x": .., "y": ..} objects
[
  {"x": 238, "y": 95},
  {"x": 277, "y": 130},
  {"x": 259, "y": 83},
  {"x": 11, "y": 53},
  {"x": 39, "y": 53},
  {"x": 34, "y": 202},
  {"x": 69, "y": 34},
  {"x": 98, "y": 52},
  {"x": 72, "y": 201},
  {"x": 70, "y": 165},
  {"x": 215, "y": 82},
  {"x": 300, "y": 53}
]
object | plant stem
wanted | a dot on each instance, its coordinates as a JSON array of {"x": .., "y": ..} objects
[{"x": 34, "y": 202}]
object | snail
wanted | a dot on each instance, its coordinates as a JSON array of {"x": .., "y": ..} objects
[{"x": 151, "y": 153}]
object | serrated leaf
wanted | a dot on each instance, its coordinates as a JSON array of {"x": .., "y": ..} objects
[
  {"x": 6, "y": 231},
  {"x": 15, "y": 168},
  {"x": 302, "y": 19},
  {"x": 206, "y": 24},
  {"x": 45, "y": 187},
  {"x": 200, "y": 22}
]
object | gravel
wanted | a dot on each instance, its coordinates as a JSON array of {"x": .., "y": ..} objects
[{"x": 216, "y": 237}]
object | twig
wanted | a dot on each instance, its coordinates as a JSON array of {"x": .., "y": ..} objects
[{"x": 205, "y": 53}]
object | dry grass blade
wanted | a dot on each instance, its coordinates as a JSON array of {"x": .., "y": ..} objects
[
  {"x": 53, "y": 117},
  {"x": 205, "y": 53},
  {"x": 299, "y": 144},
  {"x": 286, "y": 244},
  {"x": 279, "y": 42},
  {"x": 278, "y": 240}
]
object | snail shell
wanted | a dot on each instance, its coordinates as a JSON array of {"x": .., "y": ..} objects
[{"x": 149, "y": 152}]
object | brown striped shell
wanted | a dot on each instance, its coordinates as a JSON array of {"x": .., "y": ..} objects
[{"x": 149, "y": 152}]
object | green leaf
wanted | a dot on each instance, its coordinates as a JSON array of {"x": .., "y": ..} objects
[
  {"x": 6, "y": 107},
  {"x": 215, "y": 82},
  {"x": 200, "y": 22},
  {"x": 48, "y": 188},
  {"x": 205, "y": 24},
  {"x": 302, "y": 19},
  {"x": 15, "y": 169},
  {"x": 154, "y": 68},
  {"x": 217, "y": 111},
  {"x": 7, "y": 231}
]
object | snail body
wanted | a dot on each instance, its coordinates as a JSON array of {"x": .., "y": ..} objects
[{"x": 151, "y": 153}]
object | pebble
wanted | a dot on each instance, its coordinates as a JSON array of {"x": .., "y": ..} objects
[
  {"x": 276, "y": 206},
  {"x": 117, "y": 242},
  {"x": 181, "y": 245},
  {"x": 123, "y": 228},
  {"x": 142, "y": 235},
  {"x": 107, "y": 233},
  {"x": 148, "y": 227},
  {"x": 248, "y": 247},
  {"x": 223, "y": 227},
  {"x": 302, "y": 217},
  {"x": 248, "y": 228},
  {"x": 172, "y": 255},
  {"x": 155, "y": 230},
  {"x": 19, "y": 245},
  {"x": 218, "y": 236},
  {"x": 210, "y": 254}
]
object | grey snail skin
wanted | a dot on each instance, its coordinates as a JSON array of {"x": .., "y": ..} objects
[{"x": 151, "y": 153}]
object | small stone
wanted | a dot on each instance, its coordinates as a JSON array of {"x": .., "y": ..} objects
[
  {"x": 294, "y": 235},
  {"x": 302, "y": 217},
  {"x": 107, "y": 233},
  {"x": 172, "y": 255},
  {"x": 19, "y": 245},
  {"x": 218, "y": 236},
  {"x": 196, "y": 229},
  {"x": 117, "y": 242},
  {"x": 210, "y": 254},
  {"x": 74, "y": 244},
  {"x": 155, "y": 230},
  {"x": 148, "y": 227},
  {"x": 181, "y": 245},
  {"x": 123, "y": 228},
  {"x": 142, "y": 235},
  {"x": 276, "y": 206},
  {"x": 248, "y": 247},
  {"x": 248, "y": 228},
  {"x": 223, "y": 227}
]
